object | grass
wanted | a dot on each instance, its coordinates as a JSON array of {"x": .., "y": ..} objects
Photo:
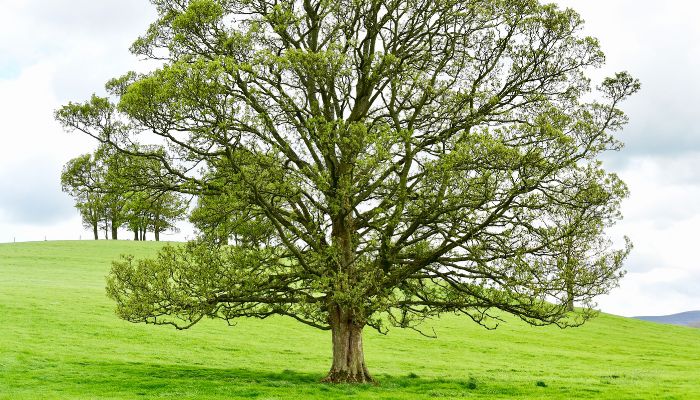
[{"x": 59, "y": 339}]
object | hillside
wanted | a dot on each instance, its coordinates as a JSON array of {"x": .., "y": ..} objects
[
  {"x": 688, "y": 318},
  {"x": 60, "y": 339}
]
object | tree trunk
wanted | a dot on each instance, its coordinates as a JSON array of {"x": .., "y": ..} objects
[
  {"x": 348, "y": 354},
  {"x": 570, "y": 295},
  {"x": 569, "y": 281},
  {"x": 156, "y": 229},
  {"x": 136, "y": 234},
  {"x": 95, "y": 232},
  {"x": 114, "y": 231}
]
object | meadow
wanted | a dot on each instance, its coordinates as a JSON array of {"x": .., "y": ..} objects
[{"x": 60, "y": 339}]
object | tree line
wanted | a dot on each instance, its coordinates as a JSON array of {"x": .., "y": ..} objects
[{"x": 111, "y": 191}]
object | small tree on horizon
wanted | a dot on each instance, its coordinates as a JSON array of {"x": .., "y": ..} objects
[
  {"x": 80, "y": 179},
  {"x": 411, "y": 157},
  {"x": 101, "y": 200}
]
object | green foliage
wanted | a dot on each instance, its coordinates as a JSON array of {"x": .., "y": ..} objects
[
  {"x": 80, "y": 179},
  {"x": 112, "y": 190}
]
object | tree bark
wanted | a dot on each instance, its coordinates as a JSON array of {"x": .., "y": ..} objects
[
  {"x": 95, "y": 231},
  {"x": 156, "y": 229},
  {"x": 136, "y": 234},
  {"x": 570, "y": 295},
  {"x": 114, "y": 231},
  {"x": 348, "y": 353},
  {"x": 569, "y": 276}
]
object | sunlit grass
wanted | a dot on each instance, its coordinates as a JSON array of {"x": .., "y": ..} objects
[{"x": 59, "y": 338}]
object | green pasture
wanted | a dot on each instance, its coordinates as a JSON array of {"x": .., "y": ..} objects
[{"x": 60, "y": 339}]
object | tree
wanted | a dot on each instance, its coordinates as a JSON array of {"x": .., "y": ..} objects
[
  {"x": 225, "y": 217},
  {"x": 154, "y": 212},
  {"x": 584, "y": 255},
  {"x": 412, "y": 157},
  {"x": 149, "y": 209},
  {"x": 138, "y": 219},
  {"x": 80, "y": 179},
  {"x": 91, "y": 179}
]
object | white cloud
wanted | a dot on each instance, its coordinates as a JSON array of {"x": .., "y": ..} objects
[
  {"x": 659, "y": 43},
  {"x": 53, "y": 52},
  {"x": 661, "y": 217}
]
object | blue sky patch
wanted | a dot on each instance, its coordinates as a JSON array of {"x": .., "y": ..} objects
[{"x": 9, "y": 70}]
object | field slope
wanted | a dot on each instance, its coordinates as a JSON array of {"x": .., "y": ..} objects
[{"x": 59, "y": 339}]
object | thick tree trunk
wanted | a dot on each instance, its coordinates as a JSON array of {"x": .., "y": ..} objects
[
  {"x": 95, "y": 231},
  {"x": 157, "y": 233},
  {"x": 348, "y": 354},
  {"x": 136, "y": 234},
  {"x": 346, "y": 322},
  {"x": 570, "y": 296},
  {"x": 114, "y": 231},
  {"x": 569, "y": 287}
]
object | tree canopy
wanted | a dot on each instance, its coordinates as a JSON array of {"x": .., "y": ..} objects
[{"x": 400, "y": 158}]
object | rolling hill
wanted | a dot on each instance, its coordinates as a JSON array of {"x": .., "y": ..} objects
[
  {"x": 60, "y": 339},
  {"x": 688, "y": 318}
]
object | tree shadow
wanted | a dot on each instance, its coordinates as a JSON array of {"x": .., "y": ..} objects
[{"x": 120, "y": 379}]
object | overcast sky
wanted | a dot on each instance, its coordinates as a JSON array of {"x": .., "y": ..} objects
[{"x": 55, "y": 51}]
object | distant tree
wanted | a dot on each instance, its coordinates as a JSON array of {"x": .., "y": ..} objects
[
  {"x": 80, "y": 179},
  {"x": 154, "y": 212},
  {"x": 114, "y": 187},
  {"x": 138, "y": 215},
  {"x": 152, "y": 207},
  {"x": 166, "y": 209},
  {"x": 98, "y": 190},
  {"x": 412, "y": 157},
  {"x": 584, "y": 256}
]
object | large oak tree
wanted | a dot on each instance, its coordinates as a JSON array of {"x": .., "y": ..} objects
[{"x": 405, "y": 158}]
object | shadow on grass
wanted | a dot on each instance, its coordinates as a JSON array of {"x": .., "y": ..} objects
[{"x": 191, "y": 381}]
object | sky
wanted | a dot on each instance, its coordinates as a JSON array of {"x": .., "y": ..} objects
[{"x": 52, "y": 52}]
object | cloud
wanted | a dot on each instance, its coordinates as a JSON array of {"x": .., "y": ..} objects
[
  {"x": 661, "y": 217},
  {"x": 87, "y": 42},
  {"x": 33, "y": 150},
  {"x": 659, "y": 43},
  {"x": 657, "y": 292},
  {"x": 32, "y": 196},
  {"x": 52, "y": 53}
]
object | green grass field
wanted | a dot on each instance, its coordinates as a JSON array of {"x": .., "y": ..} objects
[{"x": 59, "y": 339}]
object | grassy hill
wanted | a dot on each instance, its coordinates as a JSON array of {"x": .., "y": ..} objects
[{"x": 60, "y": 339}]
